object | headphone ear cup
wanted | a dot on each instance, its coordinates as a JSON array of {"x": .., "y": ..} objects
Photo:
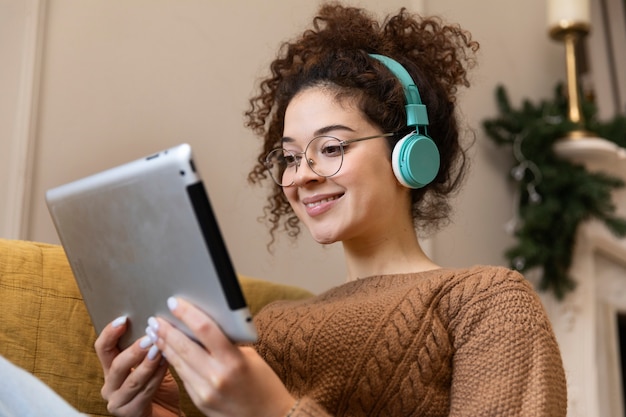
[{"x": 415, "y": 160}]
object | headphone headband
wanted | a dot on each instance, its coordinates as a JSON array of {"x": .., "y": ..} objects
[
  {"x": 416, "y": 113},
  {"x": 415, "y": 157}
]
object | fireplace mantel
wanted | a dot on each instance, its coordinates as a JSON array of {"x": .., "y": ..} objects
[{"x": 585, "y": 322}]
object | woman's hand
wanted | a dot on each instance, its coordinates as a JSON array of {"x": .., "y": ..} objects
[
  {"x": 136, "y": 381},
  {"x": 221, "y": 378}
]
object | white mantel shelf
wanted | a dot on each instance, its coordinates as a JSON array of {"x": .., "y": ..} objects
[{"x": 585, "y": 322}]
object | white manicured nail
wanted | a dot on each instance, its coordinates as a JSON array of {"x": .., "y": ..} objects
[
  {"x": 119, "y": 321},
  {"x": 152, "y": 353},
  {"x": 153, "y": 323},
  {"x": 145, "y": 342},
  {"x": 151, "y": 334},
  {"x": 172, "y": 303}
]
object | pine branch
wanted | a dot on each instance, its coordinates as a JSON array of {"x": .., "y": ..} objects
[{"x": 556, "y": 195}]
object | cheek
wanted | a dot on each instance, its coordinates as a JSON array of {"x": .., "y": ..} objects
[
  {"x": 372, "y": 170},
  {"x": 290, "y": 194},
  {"x": 377, "y": 183}
]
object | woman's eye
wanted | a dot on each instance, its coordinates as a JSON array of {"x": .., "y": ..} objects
[
  {"x": 290, "y": 160},
  {"x": 331, "y": 150}
]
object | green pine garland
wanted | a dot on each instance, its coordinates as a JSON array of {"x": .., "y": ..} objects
[{"x": 555, "y": 195}]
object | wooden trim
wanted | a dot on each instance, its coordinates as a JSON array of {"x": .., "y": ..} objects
[
  {"x": 22, "y": 143},
  {"x": 607, "y": 53}
]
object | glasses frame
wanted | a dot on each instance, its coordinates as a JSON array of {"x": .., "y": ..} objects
[{"x": 342, "y": 144}]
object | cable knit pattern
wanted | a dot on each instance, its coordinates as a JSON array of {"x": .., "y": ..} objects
[{"x": 450, "y": 342}]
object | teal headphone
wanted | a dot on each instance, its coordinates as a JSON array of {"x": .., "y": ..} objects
[{"x": 415, "y": 158}]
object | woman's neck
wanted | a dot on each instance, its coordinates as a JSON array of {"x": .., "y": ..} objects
[{"x": 393, "y": 253}]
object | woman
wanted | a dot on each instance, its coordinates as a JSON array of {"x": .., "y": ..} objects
[{"x": 403, "y": 336}]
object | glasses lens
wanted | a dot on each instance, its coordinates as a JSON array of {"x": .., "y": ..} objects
[
  {"x": 281, "y": 165},
  {"x": 325, "y": 155}
]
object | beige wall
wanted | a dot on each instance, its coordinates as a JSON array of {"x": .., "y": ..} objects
[
  {"x": 11, "y": 21},
  {"x": 517, "y": 53},
  {"x": 121, "y": 79}
]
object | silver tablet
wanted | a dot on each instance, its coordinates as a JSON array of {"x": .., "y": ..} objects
[{"x": 141, "y": 232}]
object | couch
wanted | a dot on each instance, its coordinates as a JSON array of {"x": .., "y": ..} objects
[{"x": 45, "y": 328}]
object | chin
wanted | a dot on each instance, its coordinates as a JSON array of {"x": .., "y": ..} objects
[{"x": 324, "y": 239}]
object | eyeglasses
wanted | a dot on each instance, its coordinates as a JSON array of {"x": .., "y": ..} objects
[{"x": 323, "y": 154}]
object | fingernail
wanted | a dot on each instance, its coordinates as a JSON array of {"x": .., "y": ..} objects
[
  {"x": 152, "y": 353},
  {"x": 119, "y": 321},
  {"x": 145, "y": 342},
  {"x": 172, "y": 303},
  {"x": 153, "y": 323},
  {"x": 151, "y": 334}
]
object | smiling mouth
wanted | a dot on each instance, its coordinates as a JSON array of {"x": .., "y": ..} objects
[{"x": 322, "y": 201}]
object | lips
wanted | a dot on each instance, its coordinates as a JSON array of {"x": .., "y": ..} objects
[
  {"x": 317, "y": 205},
  {"x": 310, "y": 204}
]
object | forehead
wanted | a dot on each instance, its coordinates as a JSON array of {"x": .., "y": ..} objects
[{"x": 318, "y": 107}]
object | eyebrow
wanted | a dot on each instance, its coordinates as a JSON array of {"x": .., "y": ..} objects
[{"x": 319, "y": 132}]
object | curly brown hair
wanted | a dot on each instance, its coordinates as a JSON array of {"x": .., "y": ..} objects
[{"x": 334, "y": 52}]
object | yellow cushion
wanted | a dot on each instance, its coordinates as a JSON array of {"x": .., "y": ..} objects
[{"x": 45, "y": 328}]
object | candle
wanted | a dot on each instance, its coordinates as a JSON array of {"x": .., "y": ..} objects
[{"x": 568, "y": 11}]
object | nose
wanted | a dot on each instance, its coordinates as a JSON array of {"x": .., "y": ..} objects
[{"x": 305, "y": 174}]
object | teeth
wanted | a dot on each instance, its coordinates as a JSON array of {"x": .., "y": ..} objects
[{"x": 325, "y": 200}]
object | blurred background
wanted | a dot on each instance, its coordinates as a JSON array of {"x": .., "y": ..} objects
[{"x": 85, "y": 85}]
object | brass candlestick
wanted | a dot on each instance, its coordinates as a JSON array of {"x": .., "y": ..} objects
[{"x": 571, "y": 33}]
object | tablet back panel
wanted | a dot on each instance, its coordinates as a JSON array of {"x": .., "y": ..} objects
[{"x": 144, "y": 231}]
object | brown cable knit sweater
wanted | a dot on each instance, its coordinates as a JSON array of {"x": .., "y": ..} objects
[{"x": 449, "y": 342}]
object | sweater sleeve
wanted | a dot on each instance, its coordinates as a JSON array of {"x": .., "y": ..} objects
[{"x": 507, "y": 361}]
